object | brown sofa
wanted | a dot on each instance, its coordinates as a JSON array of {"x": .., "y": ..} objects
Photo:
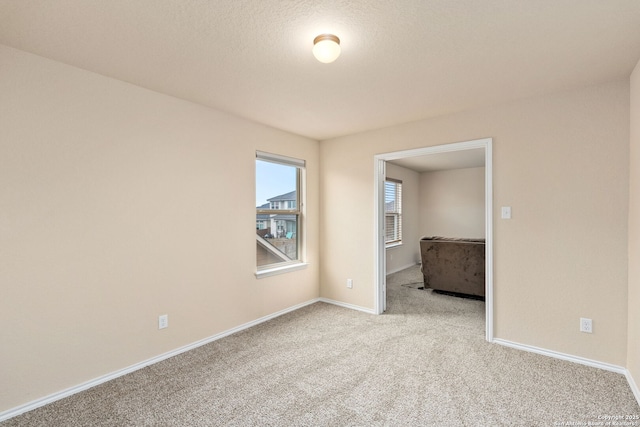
[{"x": 453, "y": 265}]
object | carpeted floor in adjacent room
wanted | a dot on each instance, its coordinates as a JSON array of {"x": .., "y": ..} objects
[{"x": 425, "y": 362}]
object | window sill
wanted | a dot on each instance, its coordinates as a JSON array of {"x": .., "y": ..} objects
[
  {"x": 281, "y": 270},
  {"x": 393, "y": 245}
]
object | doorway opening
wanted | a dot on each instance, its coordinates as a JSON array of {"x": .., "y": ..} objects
[{"x": 456, "y": 151}]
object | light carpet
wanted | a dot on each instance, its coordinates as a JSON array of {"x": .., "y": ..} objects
[{"x": 425, "y": 362}]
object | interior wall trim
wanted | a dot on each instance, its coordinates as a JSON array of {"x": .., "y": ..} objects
[
  {"x": 5, "y": 415},
  {"x": 347, "y": 305},
  {"x": 10, "y": 413},
  {"x": 576, "y": 359},
  {"x": 562, "y": 356},
  {"x": 404, "y": 267},
  {"x": 380, "y": 295},
  {"x": 633, "y": 385}
]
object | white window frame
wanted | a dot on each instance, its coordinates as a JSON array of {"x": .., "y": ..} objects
[
  {"x": 299, "y": 211},
  {"x": 396, "y": 215}
]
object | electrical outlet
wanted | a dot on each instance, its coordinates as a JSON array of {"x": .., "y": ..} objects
[
  {"x": 350, "y": 283},
  {"x": 163, "y": 321},
  {"x": 586, "y": 325}
]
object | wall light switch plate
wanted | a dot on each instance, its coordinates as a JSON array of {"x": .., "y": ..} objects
[{"x": 506, "y": 212}]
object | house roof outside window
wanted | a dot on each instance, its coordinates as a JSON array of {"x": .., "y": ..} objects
[{"x": 287, "y": 196}]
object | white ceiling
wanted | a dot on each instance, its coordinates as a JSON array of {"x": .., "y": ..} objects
[
  {"x": 472, "y": 158},
  {"x": 401, "y": 60}
]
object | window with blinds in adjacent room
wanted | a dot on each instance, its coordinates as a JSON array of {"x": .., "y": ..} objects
[{"x": 393, "y": 211}]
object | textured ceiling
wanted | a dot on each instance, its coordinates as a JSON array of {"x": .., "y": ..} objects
[{"x": 401, "y": 60}]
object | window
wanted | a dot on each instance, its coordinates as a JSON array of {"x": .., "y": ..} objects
[
  {"x": 392, "y": 211},
  {"x": 279, "y": 214}
]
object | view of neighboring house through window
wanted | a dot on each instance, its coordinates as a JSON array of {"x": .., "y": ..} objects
[
  {"x": 278, "y": 210},
  {"x": 393, "y": 211}
]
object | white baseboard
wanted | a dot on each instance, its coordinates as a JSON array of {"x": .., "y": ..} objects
[
  {"x": 633, "y": 385},
  {"x": 395, "y": 270},
  {"x": 108, "y": 377},
  {"x": 113, "y": 375},
  {"x": 346, "y": 305},
  {"x": 576, "y": 359},
  {"x": 562, "y": 356}
]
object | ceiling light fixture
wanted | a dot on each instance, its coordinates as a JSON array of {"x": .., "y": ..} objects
[{"x": 326, "y": 48}]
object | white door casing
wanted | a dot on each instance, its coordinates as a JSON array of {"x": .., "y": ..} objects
[{"x": 380, "y": 258}]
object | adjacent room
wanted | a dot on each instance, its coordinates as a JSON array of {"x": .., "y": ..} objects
[
  {"x": 136, "y": 135},
  {"x": 435, "y": 212}
]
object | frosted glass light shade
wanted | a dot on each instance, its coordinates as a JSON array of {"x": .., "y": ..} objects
[{"x": 326, "y": 48}]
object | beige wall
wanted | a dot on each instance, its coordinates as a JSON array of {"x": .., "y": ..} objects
[
  {"x": 561, "y": 162},
  {"x": 633, "y": 344},
  {"x": 452, "y": 203},
  {"x": 407, "y": 254},
  {"x": 118, "y": 204}
]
